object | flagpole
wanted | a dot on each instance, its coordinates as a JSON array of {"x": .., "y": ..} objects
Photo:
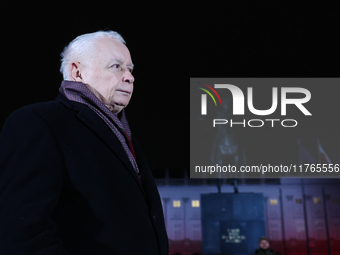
[
  {"x": 326, "y": 220},
  {"x": 304, "y": 202},
  {"x": 305, "y": 214},
  {"x": 282, "y": 223}
]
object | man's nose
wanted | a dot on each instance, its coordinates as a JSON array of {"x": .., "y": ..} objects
[{"x": 128, "y": 77}]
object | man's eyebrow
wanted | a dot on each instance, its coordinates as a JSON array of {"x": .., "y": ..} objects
[{"x": 120, "y": 62}]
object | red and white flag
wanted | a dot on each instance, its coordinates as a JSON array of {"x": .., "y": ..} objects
[
  {"x": 304, "y": 155},
  {"x": 323, "y": 157}
]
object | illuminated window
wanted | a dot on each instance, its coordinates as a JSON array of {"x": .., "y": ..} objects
[
  {"x": 298, "y": 200},
  {"x": 176, "y": 203},
  {"x": 316, "y": 200},
  {"x": 273, "y": 201},
  {"x": 195, "y": 203},
  {"x": 335, "y": 200}
]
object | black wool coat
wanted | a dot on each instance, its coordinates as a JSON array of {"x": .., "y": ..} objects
[{"x": 67, "y": 187}]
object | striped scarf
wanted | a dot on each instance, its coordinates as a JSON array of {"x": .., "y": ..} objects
[{"x": 78, "y": 92}]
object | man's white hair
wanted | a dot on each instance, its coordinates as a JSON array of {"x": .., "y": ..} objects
[{"x": 81, "y": 46}]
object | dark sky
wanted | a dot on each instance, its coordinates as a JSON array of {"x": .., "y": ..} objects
[
  {"x": 275, "y": 39},
  {"x": 243, "y": 39},
  {"x": 35, "y": 32}
]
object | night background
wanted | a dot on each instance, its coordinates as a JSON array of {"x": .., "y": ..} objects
[
  {"x": 242, "y": 40},
  {"x": 275, "y": 40},
  {"x": 34, "y": 34},
  {"x": 169, "y": 44}
]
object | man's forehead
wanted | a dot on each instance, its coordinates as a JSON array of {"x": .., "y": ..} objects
[{"x": 114, "y": 50}]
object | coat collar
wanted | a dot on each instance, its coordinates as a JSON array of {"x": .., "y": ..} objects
[{"x": 102, "y": 131}]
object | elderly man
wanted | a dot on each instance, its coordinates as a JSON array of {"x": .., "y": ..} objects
[{"x": 73, "y": 179}]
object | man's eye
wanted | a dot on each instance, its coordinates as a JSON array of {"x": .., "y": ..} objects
[
  {"x": 130, "y": 70},
  {"x": 116, "y": 66}
]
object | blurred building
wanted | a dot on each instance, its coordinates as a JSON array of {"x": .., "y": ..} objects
[{"x": 301, "y": 215}]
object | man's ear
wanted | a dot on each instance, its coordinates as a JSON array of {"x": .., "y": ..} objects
[{"x": 75, "y": 74}]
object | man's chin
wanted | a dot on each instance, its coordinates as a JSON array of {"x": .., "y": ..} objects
[
  {"x": 122, "y": 103},
  {"x": 117, "y": 107}
]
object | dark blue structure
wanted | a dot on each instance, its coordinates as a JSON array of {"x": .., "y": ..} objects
[{"x": 232, "y": 223}]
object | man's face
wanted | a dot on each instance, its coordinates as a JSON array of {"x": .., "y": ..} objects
[
  {"x": 107, "y": 73},
  {"x": 264, "y": 244}
]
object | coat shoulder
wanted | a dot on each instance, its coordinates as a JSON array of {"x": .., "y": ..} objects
[
  {"x": 41, "y": 108},
  {"x": 47, "y": 111}
]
